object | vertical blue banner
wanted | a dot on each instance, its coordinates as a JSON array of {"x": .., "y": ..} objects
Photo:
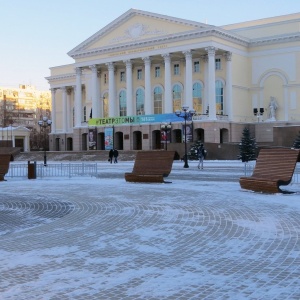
[{"x": 109, "y": 138}]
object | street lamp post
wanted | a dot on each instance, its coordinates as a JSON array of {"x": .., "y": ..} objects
[
  {"x": 165, "y": 128},
  {"x": 44, "y": 123},
  {"x": 185, "y": 113}
]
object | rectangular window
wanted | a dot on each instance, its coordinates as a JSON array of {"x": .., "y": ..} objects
[
  {"x": 122, "y": 76},
  {"x": 139, "y": 74},
  {"x": 218, "y": 63},
  {"x": 105, "y": 78},
  {"x": 176, "y": 69},
  {"x": 157, "y": 72},
  {"x": 196, "y": 67}
]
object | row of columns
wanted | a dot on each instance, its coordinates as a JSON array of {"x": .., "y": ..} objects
[{"x": 97, "y": 109}]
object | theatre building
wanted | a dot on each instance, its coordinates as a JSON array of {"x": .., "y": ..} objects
[{"x": 129, "y": 78}]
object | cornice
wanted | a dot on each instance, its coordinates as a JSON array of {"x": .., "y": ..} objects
[
  {"x": 287, "y": 38},
  {"x": 210, "y": 31},
  {"x": 61, "y": 77}
]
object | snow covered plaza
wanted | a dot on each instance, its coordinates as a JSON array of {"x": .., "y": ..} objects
[{"x": 199, "y": 237}]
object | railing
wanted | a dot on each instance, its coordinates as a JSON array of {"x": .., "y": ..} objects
[{"x": 54, "y": 170}]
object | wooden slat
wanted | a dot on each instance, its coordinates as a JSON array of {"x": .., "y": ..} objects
[
  {"x": 151, "y": 166},
  {"x": 274, "y": 167}
]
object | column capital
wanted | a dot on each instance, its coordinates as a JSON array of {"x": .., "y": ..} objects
[
  {"x": 167, "y": 57},
  {"x": 78, "y": 70},
  {"x": 110, "y": 66},
  {"x": 147, "y": 60},
  {"x": 128, "y": 63},
  {"x": 53, "y": 90},
  {"x": 188, "y": 54},
  {"x": 64, "y": 88},
  {"x": 228, "y": 55},
  {"x": 93, "y": 68},
  {"x": 211, "y": 51}
]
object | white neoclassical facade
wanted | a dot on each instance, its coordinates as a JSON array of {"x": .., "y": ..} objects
[{"x": 132, "y": 75}]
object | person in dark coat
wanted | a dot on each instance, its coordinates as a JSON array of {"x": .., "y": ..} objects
[
  {"x": 111, "y": 155},
  {"x": 116, "y": 154},
  {"x": 201, "y": 156}
]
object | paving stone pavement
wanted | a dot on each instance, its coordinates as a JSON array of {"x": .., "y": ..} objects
[{"x": 200, "y": 237}]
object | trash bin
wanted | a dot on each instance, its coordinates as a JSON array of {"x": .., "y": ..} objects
[{"x": 31, "y": 170}]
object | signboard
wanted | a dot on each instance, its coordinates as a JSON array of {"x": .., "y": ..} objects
[
  {"x": 189, "y": 133},
  {"x": 92, "y": 139},
  {"x": 134, "y": 120},
  {"x": 109, "y": 138}
]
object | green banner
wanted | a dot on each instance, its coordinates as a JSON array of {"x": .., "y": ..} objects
[{"x": 133, "y": 120}]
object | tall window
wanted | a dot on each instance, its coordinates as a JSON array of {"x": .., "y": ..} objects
[
  {"x": 218, "y": 63},
  {"x": 177, "y": 93},
  {"x": 122, "y": 104},
  {"x": 139, "y": 74},
  {"x": 140, "y": 102},
  {"x": 176, "y": 69},
  {"x": 157, "y": 72},
  {"x": 197, "y": 97},
  {"x": 105, "y": 76},
  {"x": 158, "y": 100},
  {"x": 219, "y": 98},
  {"x": 105, "y": 106},
  {"x": 122, "y": 76},
  {"x": 84, "y": 114},
  {"x": 196, "y": 66}
]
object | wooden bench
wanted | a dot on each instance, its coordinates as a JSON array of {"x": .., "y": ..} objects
[
  {"x": 274, "y": 167},
  {"x": 151, "y": 166},
  {"x": 4, "y": 164}
]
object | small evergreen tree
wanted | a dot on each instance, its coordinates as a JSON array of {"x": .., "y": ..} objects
[
  {"x": 247, "y": 147},
  {"x": 192, "y": 153},
  {"x": 296, "y": 144}
]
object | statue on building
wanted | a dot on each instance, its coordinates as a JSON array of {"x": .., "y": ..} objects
[{"x": 272, "y": 109}]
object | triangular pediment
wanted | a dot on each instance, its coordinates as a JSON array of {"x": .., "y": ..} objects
[{"x": 136, "y": 26}]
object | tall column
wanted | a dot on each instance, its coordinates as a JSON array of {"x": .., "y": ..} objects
[
  {"x": 211, "y": 51},
  {"x": 188, "y": 79},
  {"x": 206, "y": 91},
  {"x": 69, "y": 109},
  {"x": 100, "y": 100},
  {"x": 228, "y": 98},
  {"x": 64, "y": 110},
  {"x": 78, "y": 97},
  {"x": 95, "y": 90},
  {"x": 148, "y": 102},
  {"x": 129, "y": 99},
  {"x": 111, "y": 89},
  {"x": 53, "y": 109},
  {"x": 168, "y": 88}
]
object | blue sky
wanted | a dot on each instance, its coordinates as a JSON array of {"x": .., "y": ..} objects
[{"x": 37, "y": 34}]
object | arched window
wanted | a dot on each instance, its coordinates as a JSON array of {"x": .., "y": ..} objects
[
  {"x": 140, "y": 102},
  {"x": 105, "y": 106},
  {"x": 197, "y": 97},
  {"x": 122, "y": 104},
  {"x": 177, "y": 94},
  {"x": 219, "y": 97},
  {"x": 158, "y": 100}
]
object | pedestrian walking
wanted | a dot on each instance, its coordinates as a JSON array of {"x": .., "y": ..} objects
[
  {"x": 111, "y": 155},
  {"x": 201, "y": 152},
  {"x": 116, "y": 154}
]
